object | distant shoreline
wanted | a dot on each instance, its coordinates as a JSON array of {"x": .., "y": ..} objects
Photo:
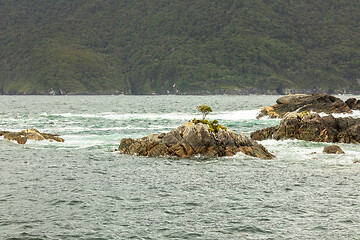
[{"x": 249, "y": 91}]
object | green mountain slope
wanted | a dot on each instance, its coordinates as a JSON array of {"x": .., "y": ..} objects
[{"x": 143, "y": 46}]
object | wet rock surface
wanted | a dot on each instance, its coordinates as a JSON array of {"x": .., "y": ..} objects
[
  {"x": 33, "y": 134},
  {"x": 319, "y": 102},
  {"x": 193, "y": 139},
  {"x": 333, "y": 149},
  {"x": 312, "y": 127},
  {"x": 353, "y": 103}
]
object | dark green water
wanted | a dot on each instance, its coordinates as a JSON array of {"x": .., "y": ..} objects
[{"x": 81, "y": 189}]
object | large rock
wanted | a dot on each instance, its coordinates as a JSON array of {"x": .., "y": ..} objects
[
  {"x": 318, "y": 102},
  {"x": 194, "y": 139},
  {"x": 312, "y": 127},
  {"x": 353, "y": 103},
  {"x": 34, "y": 134}
]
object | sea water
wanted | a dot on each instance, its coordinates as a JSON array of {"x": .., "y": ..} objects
[{"x": 83, "y": 189}]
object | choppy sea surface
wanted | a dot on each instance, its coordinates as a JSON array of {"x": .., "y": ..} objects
[{"x": 82, "y": 189}]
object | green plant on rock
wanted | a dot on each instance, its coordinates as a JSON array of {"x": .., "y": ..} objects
[
  {"x": 214, "y": 125},
  {"x": 204, "y": 109}
]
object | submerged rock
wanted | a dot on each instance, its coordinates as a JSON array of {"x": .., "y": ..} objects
[
  {"x": 312, "y": 127},
  {"x": 34, "y": 134},
  {"x": 333, "y": 149},
  {"x": 194, "y": 139},
  {"x": 318, "y": 102}
]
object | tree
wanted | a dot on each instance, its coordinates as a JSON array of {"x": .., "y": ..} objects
[{"x": 204, "y": 109}]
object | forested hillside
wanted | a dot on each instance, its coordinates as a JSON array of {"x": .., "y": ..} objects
[{"x": 178, "y": 46}]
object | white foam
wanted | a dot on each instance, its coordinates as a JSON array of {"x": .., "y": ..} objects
[
  {"x": 297, "y": 150},
  {"x": 76, "y": 141},
  {"x": 354, "y": 114},
  {"x": 129, "y": 116},
  {"x": 236, "y": 115}
]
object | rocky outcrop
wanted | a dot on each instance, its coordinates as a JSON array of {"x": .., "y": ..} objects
[
  {"x": 353, "y": 103},
  {"x": 311, "y": 127},
  {"x": 33, "y": 134},
  {"x": 333, "y": 149},
  {"x": 194, "y": 139},
  {"x": 318, "y": 102}
]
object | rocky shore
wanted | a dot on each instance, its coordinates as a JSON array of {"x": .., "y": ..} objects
[
  {"x": 194, "y": 139},
  {"x": 235, "y": 91},
  {"x": 319, "y": 102},
  {"x": 33, "y": 134},
  {"x": 311, "y": 127},
  {"x": 300, "y": 120}
]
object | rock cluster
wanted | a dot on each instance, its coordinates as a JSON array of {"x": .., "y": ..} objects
[
  {"x": 318, "y": 102},
  {"x": 34, "y": 134},
  {"x": 311, "y": 127},
  {"x": 193, "y": 139}
]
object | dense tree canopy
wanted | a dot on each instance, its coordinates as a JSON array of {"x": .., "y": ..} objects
[{"x": 178, "y": 46}]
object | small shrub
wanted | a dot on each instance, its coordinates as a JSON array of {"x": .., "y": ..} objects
[{"x": 204, "y": 109}]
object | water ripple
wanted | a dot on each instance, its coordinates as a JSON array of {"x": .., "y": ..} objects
[{"x": 79, "y": 189}]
